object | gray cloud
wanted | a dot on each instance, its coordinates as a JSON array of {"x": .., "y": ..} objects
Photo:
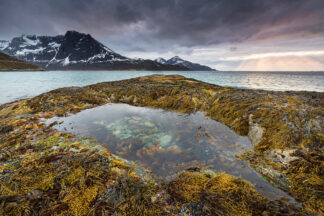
[
  {"x": 158, "y": 25},
  {"x": 191, "y": 20}
]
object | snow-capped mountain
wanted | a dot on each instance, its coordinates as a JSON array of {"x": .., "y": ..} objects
[
  {"x": 74, "y": 51},
  {"x": 176, "y": 60},
  {"x": 161, "y": 60}
]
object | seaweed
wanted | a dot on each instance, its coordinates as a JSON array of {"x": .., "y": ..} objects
[{"x": 44, "y": 172}]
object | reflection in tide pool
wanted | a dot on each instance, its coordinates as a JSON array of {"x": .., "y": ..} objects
[{"x": 166, "y": 142}]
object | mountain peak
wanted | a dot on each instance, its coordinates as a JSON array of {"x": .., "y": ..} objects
[
  {"x": 74, "y": 35},
  {"x": 176, "y": 57},
  {"x": 74, "y": 50},
  {"x": 33, "y": 37},
  {"x": 176, "y": 60},
  {"x": 73, "y": 32},
  {"x": 161, "y": 60}
]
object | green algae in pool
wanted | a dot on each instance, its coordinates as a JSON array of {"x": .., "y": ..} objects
[{"x": 166, "y": 142}]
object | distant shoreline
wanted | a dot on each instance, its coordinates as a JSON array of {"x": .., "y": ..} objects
[
  {"x": 107, "y": 70},
  {"x": 24, "y": 70}
]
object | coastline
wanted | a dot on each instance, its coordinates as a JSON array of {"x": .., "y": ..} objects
[
  {"x": 278, "y": 123},
  {"x": 23, "y": 70}
]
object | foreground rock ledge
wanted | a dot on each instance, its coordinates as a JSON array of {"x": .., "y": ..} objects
[{"x": 44, "y": 172}]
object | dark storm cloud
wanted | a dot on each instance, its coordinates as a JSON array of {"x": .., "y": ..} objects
[{"x": 164, "y": 22}]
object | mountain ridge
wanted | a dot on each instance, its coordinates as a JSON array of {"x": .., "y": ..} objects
[
  {"x": 75, "y": 51},
  {"x": 176, "y": 60}
]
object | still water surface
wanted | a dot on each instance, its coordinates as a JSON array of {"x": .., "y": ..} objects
[
  {"x": 17, "y": 85},
  {"x": 166, "y": 142}
]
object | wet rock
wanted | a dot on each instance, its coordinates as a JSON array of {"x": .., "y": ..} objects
[
  {"x": 135, "y": 100},
  {"x": 255, "y": 132},
  {"x": 283, "y": 156},
  {"x": 6, "y": 128},
  {"x": 128, "y": 99},
  {"x": 274, "y": 177}
]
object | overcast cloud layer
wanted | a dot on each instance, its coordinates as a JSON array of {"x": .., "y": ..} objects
[{"x": 224, "y": 34}]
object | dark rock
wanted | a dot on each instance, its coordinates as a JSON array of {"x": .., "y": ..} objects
[{"x": 6, "y": 128}]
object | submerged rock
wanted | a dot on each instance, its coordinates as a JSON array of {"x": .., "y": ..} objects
[
  {"x": 255, "y": 132},
  {"x": 137, "y": 128}
]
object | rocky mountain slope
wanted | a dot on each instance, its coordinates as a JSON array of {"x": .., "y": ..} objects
[
  {"x": 176, "y": 60},
  {"x": 8, "y": 63},
  {"x": 75, "y": 51}
]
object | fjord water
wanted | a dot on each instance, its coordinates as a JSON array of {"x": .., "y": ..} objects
[
  {"x": 166, "y": 142},
  {"x": 17, "y": 85}
]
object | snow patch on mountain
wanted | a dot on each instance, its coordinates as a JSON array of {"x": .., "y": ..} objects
[
  {"x": 30, "y": 40},
  {"x": 138, "y": 59},
  {"x": 4, "y": 44},
  {"x": 54, "y": 45},
  {"x": 98, "y": 56},
  {"x": 28, "y": 51},
  {"x": 176, "y": 60},
  {"x": 161, "y": 60},
  {"x": 107, "y": 49},
  {"x": 66, "y": 61}
]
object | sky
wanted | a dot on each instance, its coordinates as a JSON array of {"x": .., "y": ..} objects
[{"x": 286, "y": 35}]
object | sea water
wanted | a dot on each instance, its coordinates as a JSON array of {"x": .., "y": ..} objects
[{"x": 18, "y": 85}]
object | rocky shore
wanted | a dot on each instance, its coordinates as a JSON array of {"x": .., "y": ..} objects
[{"x": 46, "y": 172}]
